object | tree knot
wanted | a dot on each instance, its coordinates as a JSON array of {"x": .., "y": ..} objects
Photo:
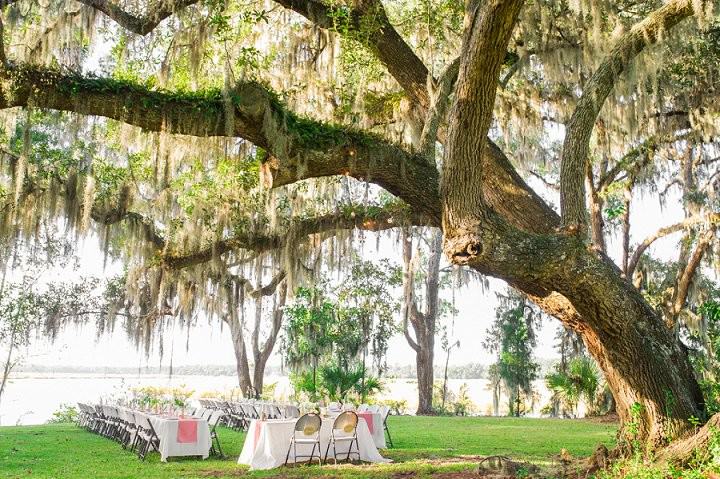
[{"x": 461, "y": 250}]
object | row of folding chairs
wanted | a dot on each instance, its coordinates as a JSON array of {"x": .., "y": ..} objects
[
  {"x": 238, "y": 415},
  {"x": 134, "y": 430}
]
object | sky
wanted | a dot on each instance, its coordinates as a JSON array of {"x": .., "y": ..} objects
[{"x": 211, "y": 344}]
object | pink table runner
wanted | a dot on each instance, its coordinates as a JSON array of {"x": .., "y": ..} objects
[
  {"x": 187, "y": 431},
  {"x": 258, "y": 428},
  {"x": 368, "y": 416}
]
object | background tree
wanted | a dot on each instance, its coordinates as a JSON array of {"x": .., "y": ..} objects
[
  {"x": 32, "y": 303},
  {"x": 234, "y": 318},
  {"x": 423, "y": 320},
  {"x": 512, "y": 337},
  {"x": 331, "y": 331},
  {"x": 423, "y": 309}
]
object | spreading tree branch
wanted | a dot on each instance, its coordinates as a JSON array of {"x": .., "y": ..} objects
[
  {"x": 686, "y": 278},
  {"x": 299, "y": 148},
  {"x": 260, "y": 242},
  {"x": 438, "y": 108},
  {"x": 140, "y": 24},
  {"x": 711, "y": 219},
  {"x": 579, "y": 129}
]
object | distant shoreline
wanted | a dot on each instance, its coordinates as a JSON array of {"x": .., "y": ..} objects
[{"x": 459, "y": 371}]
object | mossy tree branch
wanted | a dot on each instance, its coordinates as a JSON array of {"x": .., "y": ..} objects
[
  {"x": 298, "y": 148},
  {"x": 576, "y": 145},
  {"x": 713, "y": 220}
]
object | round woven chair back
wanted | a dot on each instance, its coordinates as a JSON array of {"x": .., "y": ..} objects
[
  {"x": 346, "y": 422},
  {"x": 308, "y": 424}
]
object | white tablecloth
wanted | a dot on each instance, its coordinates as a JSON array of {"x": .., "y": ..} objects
[
  {"x": 378, "y": 430},
  {"x": 167, "y": 428},
  {"x": 267, "y": 443}
]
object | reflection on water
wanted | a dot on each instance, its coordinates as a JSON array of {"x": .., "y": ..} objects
[{"x": 31, "y": 398}]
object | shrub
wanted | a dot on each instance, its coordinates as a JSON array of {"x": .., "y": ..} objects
[
  {"x": 463, "y": 405},
  {"x": 65, "y": 414},
  {"x": 397, "y": 408}
]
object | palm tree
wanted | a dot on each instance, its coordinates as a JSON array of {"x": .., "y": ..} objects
[
  {"x": 579, "y": 381},
  {"x": 338, "y": 382}
]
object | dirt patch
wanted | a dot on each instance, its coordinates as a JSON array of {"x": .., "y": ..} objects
[
  {"x": 442, "y": 475},
  {"x": 479, "y": 467},
  {"x": 611, "y": 418}
]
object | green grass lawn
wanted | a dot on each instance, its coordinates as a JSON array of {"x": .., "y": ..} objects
[{"x": 423, "y": 446}]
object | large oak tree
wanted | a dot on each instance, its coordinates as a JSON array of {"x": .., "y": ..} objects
[{"x": 491, "y": 220}]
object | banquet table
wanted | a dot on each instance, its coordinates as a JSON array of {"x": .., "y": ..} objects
[
  {"x": 375, "y": 424},
  {"x": 267, "y": 442},
  {"x": 180, "y": 437}
]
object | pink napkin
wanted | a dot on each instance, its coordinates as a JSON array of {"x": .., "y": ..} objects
[
  {"x": 258, "y": 428},
  {"x": 368, "y": 416},
  {"x": 187, "y": 431}
]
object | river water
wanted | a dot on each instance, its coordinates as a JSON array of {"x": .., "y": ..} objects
[{"x": 31, "y": 398}]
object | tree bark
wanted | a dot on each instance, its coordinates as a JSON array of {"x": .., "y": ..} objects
[
  {"x": 627, "y": 201},
  {"x": 262, "y": 353},
  {"x": 597, "y": 223},
  {"x": 424, "y": 324},
  {"x": 424, "y": 360},
  {"x": 640, "y": 358},
  {"x": 241, "y": 358}
]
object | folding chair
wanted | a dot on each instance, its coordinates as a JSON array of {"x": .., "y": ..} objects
[
  {"x": 147, "y": 439},
  {"x": 234, "y": 418},
  {"x": 273, "y": 411},
  {"x": 130, "y": 431},
  {"x": 309, "y": 425},
  {"x": 347, "y": 423},
  {"x": 84, "y": 417},
  {"x": 100, "y": 423},
  {"x": 385, "y": 413},
  {"x": 292, "y": 411},
  {"x": 213, "y": 421}
]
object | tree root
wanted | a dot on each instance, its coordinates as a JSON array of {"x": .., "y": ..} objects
[
  {"x": 502, "y": 466},
  {"x": 690, "y": 448}
]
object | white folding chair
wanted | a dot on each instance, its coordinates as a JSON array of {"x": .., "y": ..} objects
[
  {"x": 385, "y": 413},
  {"x": 309, "y": 425},
  {"x": 344, "y": 430},
  {"x": 213, "y": 421}
]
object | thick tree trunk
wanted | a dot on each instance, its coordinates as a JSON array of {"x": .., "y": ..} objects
[
  {"x": 642, "y": 362},
  {"x": 241, "y": 360},
  {"x": 424, "y": 361},
  {"x": 259, "y": 379}
]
